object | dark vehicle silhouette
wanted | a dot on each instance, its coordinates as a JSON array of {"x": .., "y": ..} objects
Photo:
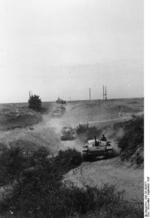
[{"x": 97, "y": 147}]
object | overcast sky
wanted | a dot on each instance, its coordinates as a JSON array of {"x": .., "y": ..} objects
[{"x": 63, "y": 47}]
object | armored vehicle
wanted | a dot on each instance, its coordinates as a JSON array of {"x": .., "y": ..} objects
[
  {"x": 68, "y": 133},
  {"x": 97, "y": 147}
]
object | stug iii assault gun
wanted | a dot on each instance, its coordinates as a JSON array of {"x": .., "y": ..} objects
[{"x": 96, "y": 148}]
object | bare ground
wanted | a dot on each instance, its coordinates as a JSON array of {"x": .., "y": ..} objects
[{"x": 110, "y": 171}]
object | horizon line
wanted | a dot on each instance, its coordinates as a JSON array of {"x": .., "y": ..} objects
[{"x": 96, "y": 99}]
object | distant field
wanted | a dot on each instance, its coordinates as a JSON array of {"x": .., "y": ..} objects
[
  {"x": 17, "y": 116},
  {"x": 96, "y": 110},
  {"x": 19, "y": 124}
]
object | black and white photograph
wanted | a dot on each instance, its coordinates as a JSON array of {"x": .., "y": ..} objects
[{"x": 72, "y": 109}]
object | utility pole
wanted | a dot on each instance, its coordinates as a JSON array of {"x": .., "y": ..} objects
[
  {"x": 104, "y": 92},
  {"x": 90, "y": 94}
]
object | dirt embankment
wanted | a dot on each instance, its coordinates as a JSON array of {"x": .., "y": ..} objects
[{"x": 110, "y": 171}]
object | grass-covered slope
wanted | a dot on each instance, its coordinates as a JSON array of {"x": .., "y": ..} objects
[
  {"x": 132, "y": 142},
  {"x": 17, "y": 116}
]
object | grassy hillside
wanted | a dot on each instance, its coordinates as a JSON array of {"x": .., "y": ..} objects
[
  {"x": 12, "y": 116},
  {"x": 19, "y": 116},
  {"x": 132, "y": 142},
  {"x": 97, "y": 110}
]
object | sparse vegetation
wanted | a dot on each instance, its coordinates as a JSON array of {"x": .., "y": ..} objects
[
  {"x": 132, "y": 143},
  {"x": 35, "y": 102},
  {"x": 88, "y": 131},
  {"x": 12, "y": 162},
  {"x": 41, "y": 193},
  {"x": 12, "y": 117},
  {"x": 67, "y": 160}
]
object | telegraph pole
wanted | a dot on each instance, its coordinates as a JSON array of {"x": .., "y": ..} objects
[
  {"x": 90, "y": 94},
  {"x": 104, "y": 92}
]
